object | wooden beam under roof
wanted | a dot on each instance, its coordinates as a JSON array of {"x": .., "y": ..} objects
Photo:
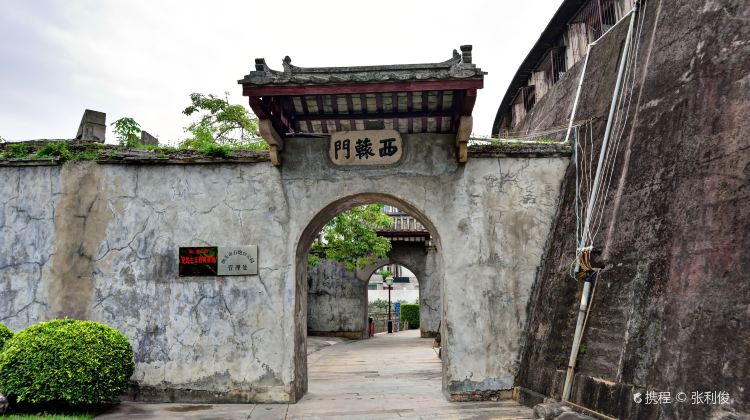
[{"x": 373, "y": 116}]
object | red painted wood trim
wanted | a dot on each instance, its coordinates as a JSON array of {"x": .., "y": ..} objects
[
  {"x": 470, "y": 98},
  {"x": 258, "y": 108}
]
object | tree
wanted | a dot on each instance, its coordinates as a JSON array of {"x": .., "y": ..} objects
[
  {"x": 350, "y": 238},
  {"x": 220, "y": 123},
  {"x": 127, "y": 131}
]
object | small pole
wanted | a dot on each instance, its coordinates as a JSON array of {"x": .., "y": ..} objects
[
  {"x": 390, "y": 323},
  {"x": 389, "y": 282}
]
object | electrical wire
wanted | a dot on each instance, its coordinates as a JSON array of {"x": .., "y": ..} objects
[{"x": 583, "y": 169}]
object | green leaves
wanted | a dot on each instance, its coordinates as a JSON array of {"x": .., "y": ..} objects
[
  {"x": 5, "y": 335},
  {"x": 79, "y": 362},
  {"x": 16, "y": 150},
  {"x": 410, "y": 314},
  {"x": 350, "y": 238},
  {"x": 220, "y": 123},
  {"x": 127, "y": 131}
]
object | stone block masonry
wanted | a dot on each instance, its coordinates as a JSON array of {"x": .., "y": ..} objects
[{"x": 670, "y": 313}]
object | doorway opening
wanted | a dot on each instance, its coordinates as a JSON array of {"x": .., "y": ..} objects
[
  {"x": 392, "y": 299},
  {"x": 332, "y": 289}
]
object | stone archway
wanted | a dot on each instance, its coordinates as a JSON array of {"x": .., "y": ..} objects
[
  {"x": 423, "y": 262},
  {"x": 303, "y": 247}
]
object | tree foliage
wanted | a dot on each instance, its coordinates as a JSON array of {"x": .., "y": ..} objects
[
  {"x": 5, "y": 335},
  {"x": 219, "y": 123},
  {"x": 350, "y": 238},
  {"x": 127, "y": 131},
  {"x": 410, "y": 314}
]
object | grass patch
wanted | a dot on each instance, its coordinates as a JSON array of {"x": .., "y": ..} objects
[
  {"x": 54, "y": 149},
  {"x": 66, "y": 150},
  {"x": 48, "y": 416},
  {"x": 215, "y": 150},
  {"x": 17, "y": 150}
]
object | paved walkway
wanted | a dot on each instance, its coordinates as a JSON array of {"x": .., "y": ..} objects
[{"x": 395, "y": 376}]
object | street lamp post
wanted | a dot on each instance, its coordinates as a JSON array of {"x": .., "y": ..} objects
[{"x": 389, "y": 281}]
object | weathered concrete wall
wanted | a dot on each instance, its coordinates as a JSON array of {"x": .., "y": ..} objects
[
  {"x": 490, "y": 219},
  {"x": 670, "y": 312},
  {"x": 336, "y": 301},
  {"x": 100, "y": 241}
]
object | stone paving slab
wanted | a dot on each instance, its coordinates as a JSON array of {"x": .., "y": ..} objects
[{"x": 396, "y": 376}]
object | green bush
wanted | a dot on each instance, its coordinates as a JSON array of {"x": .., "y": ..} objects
[
  {"x": 5, "y": 335},
  {"x": 410, "y": 314},
  {"x": 77, "y": 362},
  {"x": 55, "y": 149},
  {"x": 17, "y": 150}
]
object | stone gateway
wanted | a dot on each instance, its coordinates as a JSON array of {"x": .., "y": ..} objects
[{"x": 98, "y": 240}]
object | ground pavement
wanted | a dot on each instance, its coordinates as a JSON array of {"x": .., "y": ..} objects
[{"x": 390, "y": 376}]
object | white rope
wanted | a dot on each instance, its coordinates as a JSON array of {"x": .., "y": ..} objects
[{"x": 633, "y": 67}]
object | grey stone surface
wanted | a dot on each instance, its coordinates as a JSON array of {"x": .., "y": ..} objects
[
  {"x": 670, "y": 313},
  {"x": 343, "y": 387},
  {"x": 99, "y": 241},
  {"x": 572, "y": 415},
  {"x": 336, "y": 301},
  {"x": 550, "y": 411},
  {"x": 93, "y": 126},
  {"x": 147, "y": 138}
]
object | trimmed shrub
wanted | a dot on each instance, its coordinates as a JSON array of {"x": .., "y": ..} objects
[
  {"x": 77, "y": 362},
  {"x": 5, "y": 335},
  {"x": 410, "y": 314}
]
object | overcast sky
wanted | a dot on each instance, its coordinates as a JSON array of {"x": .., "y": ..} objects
[{"x": 143, "y": 58}]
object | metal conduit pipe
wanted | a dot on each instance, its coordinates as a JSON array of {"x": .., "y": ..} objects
[{"x": 584, "y": 306}]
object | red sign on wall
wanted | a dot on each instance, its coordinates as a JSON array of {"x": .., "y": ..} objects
[{"x": 198, "y": 261}]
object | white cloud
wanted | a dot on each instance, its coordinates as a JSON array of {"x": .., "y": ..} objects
[{"x": 143, "y": 58}]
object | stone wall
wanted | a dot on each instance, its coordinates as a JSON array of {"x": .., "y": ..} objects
[
  {"x": 99, "y": 241},
  {"x": 670, "y": 312},
  {"x": 336, "y": 301}
]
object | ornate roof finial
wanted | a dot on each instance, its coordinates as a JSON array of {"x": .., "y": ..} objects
[
  {"x": 466, "y": 54},
  {"x": 287, "y": 63}
]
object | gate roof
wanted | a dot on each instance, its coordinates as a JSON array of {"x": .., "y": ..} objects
[
  {"x": 427, "y": 97},
  {"x": 409, "y": 98}
]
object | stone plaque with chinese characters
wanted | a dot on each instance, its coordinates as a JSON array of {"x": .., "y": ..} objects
[
  {"x": 366, "y": 147},
  {"x": 238, "y": 260}
]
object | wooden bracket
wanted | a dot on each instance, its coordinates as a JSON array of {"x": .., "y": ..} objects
[
  {"x": 273, "y": 138},
  {"x": 465, "y": 125}
]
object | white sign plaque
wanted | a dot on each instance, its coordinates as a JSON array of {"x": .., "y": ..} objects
[
  {"x": 365, "y": 147},
  {"x": 237, "y": 260}
]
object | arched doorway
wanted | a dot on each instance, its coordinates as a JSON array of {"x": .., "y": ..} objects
[
  {"x": 301, "y": 262},
  {"x": 426, "y": 264},
  {"x": 388, "y": 299}
]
